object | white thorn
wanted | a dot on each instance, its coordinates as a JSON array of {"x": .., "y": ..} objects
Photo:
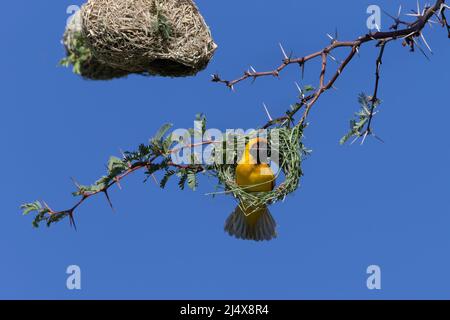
[
  {"x": 377, "y": 27},
  {"x": 284, "y": 52},
  {"x": 366, "y": 110},
  {"x": 418, "y": 7},
  {"x": 267, "y": 112},
  {"x": 420, "y": 48},
  {"x": 364, "y": 138},
  {"x": 399, "y": 11},
  {"x": 298, "y": 88},
  {"x": 332, "y": 58},
  {"x": 253, "y": 69},
  {"x": 284, "y": 122},
  {"x": 425, "y": 41},
  {"x": 425, "y": 8},
  {"x": 354, "y": 140},
  {"x": 408, "y": 35},
  {"x": 328, "y": 35}
]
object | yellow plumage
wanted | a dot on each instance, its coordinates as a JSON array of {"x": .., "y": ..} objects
[{"x": 252, "y": 223}]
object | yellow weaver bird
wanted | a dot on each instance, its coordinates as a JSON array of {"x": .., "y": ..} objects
[{"x": 252, "y": 223}]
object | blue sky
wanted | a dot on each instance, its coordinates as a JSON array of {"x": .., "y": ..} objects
[{"x": 383, "y": 204}]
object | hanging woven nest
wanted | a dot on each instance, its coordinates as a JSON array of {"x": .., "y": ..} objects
[
  {"x": 164, "y": 37},
  {"x": 291, "y": 152},
  {"x": 80, "y": 57}
]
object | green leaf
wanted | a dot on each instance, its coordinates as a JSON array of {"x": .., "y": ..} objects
[
  {"x": 56, "y": 218},
  {"x": 363, "y": 100},
  {"x": 357, "y": 125},
  {"x": 30, "y": 207},
  {"x": 116, "y": 165},
  {"x": 201, "y": 118},
  {"x": 65, "y": 62},
  {"x": 345, "y": 138},
  {"x": 162, "y": 132},
  {"x": 192, "y": 181},
  {"x": 167, "y": 143},
  {"x": 77, "y": 68},
  {"x": 164, "y": 27},
  {"x": 154, "y": 167},
  {"x": 143, "y": 151},
  {"x": 308, "y": 88},
  {"x": 183, "y": 179},
  {"x": 166, "y": 177}
]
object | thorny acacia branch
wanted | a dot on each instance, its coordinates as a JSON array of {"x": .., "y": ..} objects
[
  {"x": 152, "y": 158},
  {"x": 409, "y": 33}
]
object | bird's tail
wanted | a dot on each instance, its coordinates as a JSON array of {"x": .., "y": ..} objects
[{"x": 257, "y": 225}]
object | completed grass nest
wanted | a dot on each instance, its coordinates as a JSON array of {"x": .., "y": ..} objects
[
  {"x": 291, "y": 154},
  {"x": 163, "y": 37}
]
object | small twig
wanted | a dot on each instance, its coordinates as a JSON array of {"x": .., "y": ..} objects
[
  {"x": 329, "y": 85},
  {"x": 445, "y": 22},
  {"x": 374, "y": 98}
]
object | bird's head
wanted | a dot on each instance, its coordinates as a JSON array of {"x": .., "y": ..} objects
[{"x": 255, "y": 151}]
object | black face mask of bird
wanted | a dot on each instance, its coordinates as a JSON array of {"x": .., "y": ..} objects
[{"x": 260, "y": 152}]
